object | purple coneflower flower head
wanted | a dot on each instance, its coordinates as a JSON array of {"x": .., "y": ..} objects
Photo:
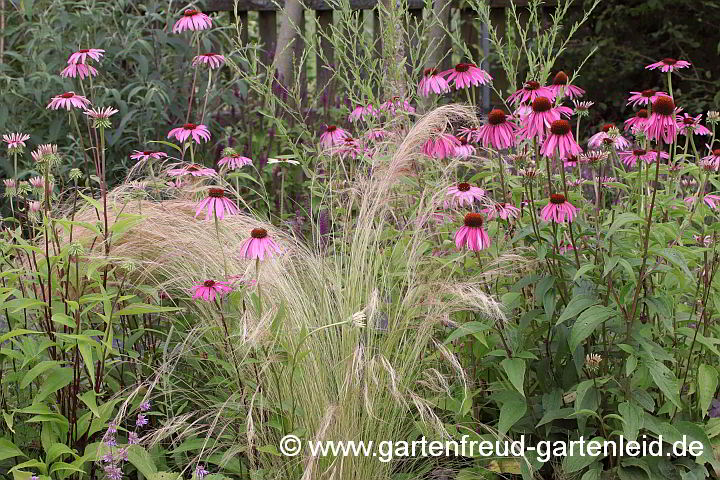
[
  {"x": 668, "y": 65},
  {"x": 200, "y": 472},
  {"x": 689, "y": 124},
  {"x": 145, "y": 155},
  {"x": 464, "y": 150},
  {"x": 713, "y": 159},
  {"x": 79, "y": 70},
  {"x": 537, "y": 122},
  {"x": 471, "y": 134},
  {"x": 15, "y": 141},
  {"x": 466, "y": 75},
  {"x": 463, "y": 194},
  {"x": 211, "y": 60},
  {"x": 644, "y": 98},
  {"x": 45, "y": 152},
  {"x": 703, "y": 241},
  {"x": 34, "y": 206},
  {"x": 637, "y": 123},
  {"x": 362, "y": 111},
  {"x": 209, "y": 290},
  {"x": 560, "y": 140},
  {"x": 259, "y": 246},
  {"x": 441, "y": 146},
  {"x": 197, "y": 132},
  {"x": 141, "y": 420},
  {"x": 582, "y": 108},
  {"x": 395, "y": 104},
  {"x": 530, "y": 91},
  {"x": 662, "y": 124},
  {"x": 82, "y": 55},
  {"x": 350, "y": 148},
  {"x": 561, "y": 85},
  {"x": 498, "y": 132},
  {"x": 376, "y": 134},
  {"x": 234, "y": 161},
  {"x": 501, "y": 210},
  {"x": 712, "y": 201},
  {"x": 471, "y": 234},
  {"x": 216, "y": 204},
  {"x": 192, "y": 169},
  {"x": 37, "y": 182},
  {"x": 608, "y": 136},
  {"x": 67, "y": 101},
  {"x": 558, "y": 209},
  {"x": 631, "y": 157},
  {"x": 432, "y": 81},
  {"x": 571, "y": 161},
  {"x": 193, "y": 20},
  {"x": 332, "y": 136}
]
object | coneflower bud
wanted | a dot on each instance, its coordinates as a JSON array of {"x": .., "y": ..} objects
[
  {"x": 592, "y": 362},
  {"x": 713, "y": 116},
  {"x": 561, "y": 78}
]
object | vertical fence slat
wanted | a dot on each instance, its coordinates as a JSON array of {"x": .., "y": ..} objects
[
  {"x": 242, "y": 17},
  {"x": 440, "y": 43},
  {"x": 299, "y": 48},
  {"x": 324, "y": 20},
  {"x": 415, "y": 16},
  {"x": 500, "y": 80},
  {"x": 267, "y": 28}
]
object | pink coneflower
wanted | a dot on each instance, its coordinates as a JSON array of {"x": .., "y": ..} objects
[
  {"x": 432, "y": 81},
  {"x": 46, "y": 151},
  {"x": 37, "y": 182},
  {"x": 377, "y": 134},
  {"x": 332, "y": 136},
  {"x": 466, "y": 75},
  {"x": 593, "y": 157},
  {"x": 560, "y": 85},
  {"x": 197, "y": 132},
  {"x": 662, "y": 125},
  {"x": 101, "y": 113},
  {"x": 212, "y": 60},
  {"x": 209, "y": 290},
  {"x": 631, "y": 157},
  {"x": 78, "y": 70},
  {"x": 193, "y": 169},
  {"x": 350, "y": 148},
  {"x": 147, "y": 155},
  {"x": 536, "y": 123},
  {"x": 67, "y": 101},
  {"x": 603, "y": 137},
  {"x": 471, "y": 234},
  {"x": 471, "y": 134},
  {"x": 361, "y": 111},
  {"x": 259, "y": 245},
  {"x": 606, "y": 181},
  {"x": 558, "y": 209},
  {"x": 581, "y": 108},
  {"x": 571, "y": 161},
  {"x": 394, "y": 104},
  {"x": 463, "y": 194},
  {"x": 464, "y": 150},
  {"x": 668, "y": 65},
  {"x": 216, "y": 204},
  {"x": 688, "y": 123},
  {"x": 498, "y": 132},
  {"x": 560, "y": 139},
  {"x": 441, "y": 146},
  {"x": 234, "y": 161},
  {"x": 192, "y": 20},
  {"x": 637, "y": 123},
  {"x": 646, "y": 97},
  {"x": 81, "y": 56},
  {"x": 15, "y": 141},
  {"x": 502, "y": 210},
  {"x": 9, "y": 183},
  {"x": 712, "y": 201},
  {"x": 713, "y": 159},
  {"x": 530, "y": 91}
]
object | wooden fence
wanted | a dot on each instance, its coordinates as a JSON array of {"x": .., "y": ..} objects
[{"x": 476, "y": 39}]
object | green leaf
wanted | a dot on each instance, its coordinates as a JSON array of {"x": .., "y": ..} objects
[
  {"x": 86, "y": 353},
  {"x": 142, "y": 460},
  {"x": 621, "y": 220},
  {"x": 56, "y": 450},
  {"x": 17, "y": 304},
  {"x": 9, "y": 450},
  {"x": 586, "y": 324},
  {"x": 707, "y": 384},
  {"x": 581, "y": 459},
  {"x": 142, "y": 308},
  {"x": 632, "y": 416},
  {"x": 38, "y": 369},
  {"x": 57, "y": 379},
  {"x": 88, "y": 398},
  {"x": 62, "y": 466},
  {"x": 9, "y": 420},
  {"x": 513, "y": 409},
  {"x": 465, "y": 329},
  {"x": 515, "y": 370},
  {"x": 666, "y": 381},
  {"x": 271, "y": 449},
  {"x": 575, "y": 306}
]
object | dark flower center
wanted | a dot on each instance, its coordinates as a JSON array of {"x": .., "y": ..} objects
[
  {"x": 606, "y": 128},
  {"x": 67, "y": 95},
  {"x": 607, "y": 140},
  {"x": 560, "y": 127},
  {"x": 258, "y": 233},
  {"x": 463, "y": 187},
  {"x": 210, "y": 54},
  {"x": 688, "y": 121},
  {"x": 669, "y": 61},
  {"x": 216, "y": 193},
  {"x": 716, "y": 152},
  {"x": 84, "y": 50},
  {"x": 541, "y": 104},
  {"x": 496, "y": 117},
  {"x": 639, "y": 153},
  {"x": 557, "y": 198},
  {"x": 664, "y": 106},
  {"x": 532, "y": 85},
  {"x": 191, "y": 12},
  {"x": 474, "y": 220},
  {"x": 561, "y": 78},
  {"x": 430, "y": 72},
  {"x": 209, "y": 283},
  {"x": 463, "y": 67},
  {"x": 193, "y": 167},
  {"x": 189, "y": 126},
  {"x": 147, "y": 152},
  {"x": 648, "y": 93},
  {"x": 331, "y": 128},
  {"x": 572, "y": 159},
  {"x": 642, "y": 113}
]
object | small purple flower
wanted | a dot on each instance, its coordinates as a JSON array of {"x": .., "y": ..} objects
[
  {"x": 200, "y": 471},
  {"x": 112, "y": 427},
  {"x": 145, "y": 406},
  {"x": 714, "y": 411},
  {"x": 34, "y": 477},
  {"x": 113, "y": 473},
  {"x": 141, "y": 420},
  {"x": 108, "y": 458},
  {"x": 122, "y": 454},
  {"x": 133, "y": 438},
  {"x": 110, "y": 441}
]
